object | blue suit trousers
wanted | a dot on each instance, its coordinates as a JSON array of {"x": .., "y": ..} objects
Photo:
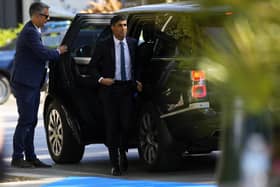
[{"x": 28, "y": 100}]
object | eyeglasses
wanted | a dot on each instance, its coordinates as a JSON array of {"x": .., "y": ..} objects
[{"x": 46, "y": 16}]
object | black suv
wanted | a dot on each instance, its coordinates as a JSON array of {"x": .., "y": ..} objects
[{"x": 177, "y": 111}]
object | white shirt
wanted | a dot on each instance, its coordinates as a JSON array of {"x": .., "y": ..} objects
[
  {"x": 118, "y": 59},
  {"x": 38, "y": 29}
]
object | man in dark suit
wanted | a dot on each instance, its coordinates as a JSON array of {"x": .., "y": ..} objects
[
  {"x": 27, "y": 77},
  {"x": 115, "y": 70}
]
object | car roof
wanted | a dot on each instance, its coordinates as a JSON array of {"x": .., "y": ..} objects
[
  {"x": 177, "y": 7},
  {"x": 94, "y": 18},
  {"x": 94, "y": 15}
]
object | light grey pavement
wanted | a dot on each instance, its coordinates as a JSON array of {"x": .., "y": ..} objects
[{"x": 198, "y": 169}]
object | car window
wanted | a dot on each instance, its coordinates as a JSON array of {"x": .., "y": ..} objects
[
  {"x": 85, "y": 42},
  {"x": 184, "y": 34},
  {"x": 177, "y": 36},
  {"x": 53, "y": 32},
  {"x": 52, "y": 39}
]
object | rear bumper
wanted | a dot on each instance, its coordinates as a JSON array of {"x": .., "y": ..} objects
[
  {"x": 193, "y": 106},
  {"x": 194, "y": 126}
]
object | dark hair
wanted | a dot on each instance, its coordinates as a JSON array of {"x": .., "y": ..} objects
[
  {"x": 117, "y": 18},
  {"x": 37, "y": 8}
]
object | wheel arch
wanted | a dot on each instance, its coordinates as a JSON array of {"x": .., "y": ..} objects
[
  {"x": 5, "y": 73},
  {"x": 5, "y": 89},
  {"x": 166, "y": 146},
  {"x": 162, "y": 126}
]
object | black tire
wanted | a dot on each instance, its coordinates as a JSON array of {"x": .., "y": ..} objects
[
  {"x": 5, "y": 89},
  {"x": 62, "y": 145},
  {"x": 155, "y": 143}
]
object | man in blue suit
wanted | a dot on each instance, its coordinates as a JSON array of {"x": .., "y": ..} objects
[
  {"x": 115, "y": 70},
  {"x": 27, "y": 77}
]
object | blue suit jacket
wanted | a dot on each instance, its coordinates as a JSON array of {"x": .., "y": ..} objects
[
  {"x": 103, "y": 59},
  {"x": 30, "y": 58}
]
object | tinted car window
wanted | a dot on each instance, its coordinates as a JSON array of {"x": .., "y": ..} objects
[
  {"x": 183, "y": 35},
  {"x": 52, "y": 39},
  {"x": 178, "y": 36},
  {"x": 165, "y": 43},
  {"x": 85, "y": 43},
  {"x": 53, "y": 33}
]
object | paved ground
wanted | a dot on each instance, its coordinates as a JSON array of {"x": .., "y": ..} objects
[{"x": 94, "y": 168}]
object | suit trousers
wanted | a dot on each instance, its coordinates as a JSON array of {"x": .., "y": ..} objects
[
  {"x": 118, "y": 108},
  {"x": 28, "y": 100}
]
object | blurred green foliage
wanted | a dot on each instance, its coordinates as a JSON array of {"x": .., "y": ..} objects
[
  {"x": 6, "y": 35},
  {"x": 246, "y": 64}
]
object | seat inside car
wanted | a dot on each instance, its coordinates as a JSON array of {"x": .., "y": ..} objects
[{"x": 145, "y": 49}]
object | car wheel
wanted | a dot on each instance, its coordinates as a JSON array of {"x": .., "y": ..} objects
[
  {"x": 154, "y": 141},
  {"x": 5, "y": 89},
  {"x": 62, "y": 145}
]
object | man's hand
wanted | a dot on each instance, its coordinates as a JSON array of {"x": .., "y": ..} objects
[
  {"x": 62, "y": 49},
  {"x": 106, "y": 81},
  {"x": 139, "y": 86}
]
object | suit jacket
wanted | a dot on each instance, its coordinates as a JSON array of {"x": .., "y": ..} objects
[
  {"x": 103, "y": 59},
  {"x": 30, "y": 58}
]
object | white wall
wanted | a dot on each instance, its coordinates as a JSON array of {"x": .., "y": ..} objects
[
  {"x": 25, "y": 9},
  {"x": 67, "y": 7}
]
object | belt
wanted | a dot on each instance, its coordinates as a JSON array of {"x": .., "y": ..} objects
[{"x": 118, "y": 82}]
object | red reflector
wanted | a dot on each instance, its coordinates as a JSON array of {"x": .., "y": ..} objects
[
  {"x": 199, "y": 91},
  {"x": 198, "y": 75}
]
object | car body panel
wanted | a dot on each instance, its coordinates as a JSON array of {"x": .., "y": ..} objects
[
  {"x": 167, "y": 74},
  {"x": 6, "y": 60},
  {"x": 183, "y": 120},
  {"x": 66, "y": 86}
]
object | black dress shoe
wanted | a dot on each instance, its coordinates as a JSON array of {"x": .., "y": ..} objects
[
  {"x": 114, "y": 158},
  {"x": 20, "y": 163},
  {"x": 116, "y": 171},
  {"x": 123, "y": 161},
  {"x": 38, "y": 164}
]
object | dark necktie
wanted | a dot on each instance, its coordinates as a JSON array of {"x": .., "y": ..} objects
[{"x": 123, "y": 74}]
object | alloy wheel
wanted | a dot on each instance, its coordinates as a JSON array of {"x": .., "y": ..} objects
[
  {"x": 148, "y": 139},
  {"x": 4, "y": 89},
  {"x": 55, "y": 131}
]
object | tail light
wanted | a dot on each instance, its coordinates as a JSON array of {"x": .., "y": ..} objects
[
  {"x": 198, "y": 75},
  {"x": 198, "y": 89}
]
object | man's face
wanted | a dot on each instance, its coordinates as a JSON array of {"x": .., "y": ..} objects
[
  {"x": 119, "y": 29},
  {"x": 43, "y": 17}
]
